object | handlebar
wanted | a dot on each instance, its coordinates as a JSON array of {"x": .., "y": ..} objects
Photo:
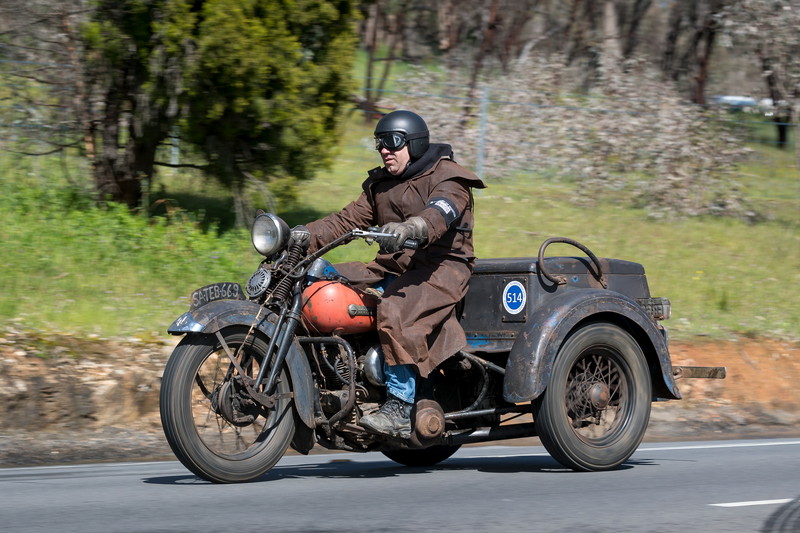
[{"x": 370, "y": 235}]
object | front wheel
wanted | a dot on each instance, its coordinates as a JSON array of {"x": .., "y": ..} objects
[
  {"x": 212, "y": 425},
  {"x": 595, "y": 410}
]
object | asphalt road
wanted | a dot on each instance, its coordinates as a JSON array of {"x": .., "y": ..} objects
[{"x": 720, "y": 486}]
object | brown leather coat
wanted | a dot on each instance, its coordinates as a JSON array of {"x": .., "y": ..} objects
[{"x": 416, "y": 315}]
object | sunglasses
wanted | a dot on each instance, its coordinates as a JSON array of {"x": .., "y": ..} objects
[{"x": 392, "y": 141}]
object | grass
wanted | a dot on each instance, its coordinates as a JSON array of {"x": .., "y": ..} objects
[
  {"x": 69, "y": 267},
  {"x": 722, "y": 276}
]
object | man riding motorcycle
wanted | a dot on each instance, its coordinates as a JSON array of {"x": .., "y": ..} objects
[{"x": 419, "y": 193}]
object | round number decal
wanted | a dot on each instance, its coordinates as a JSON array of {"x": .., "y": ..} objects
[{"x": 514, "y": 297}]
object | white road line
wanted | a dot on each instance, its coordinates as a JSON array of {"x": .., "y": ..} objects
[
  {"x": 747, "y": 504},
  {"x": 652, "y": 449},
  {"x": 713, "y": 446}
]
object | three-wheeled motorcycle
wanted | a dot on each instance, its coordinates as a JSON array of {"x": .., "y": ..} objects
[{"x": 569, "y": 349}]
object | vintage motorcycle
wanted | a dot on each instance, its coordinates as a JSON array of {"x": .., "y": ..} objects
[{"x": 293, "y": 359}]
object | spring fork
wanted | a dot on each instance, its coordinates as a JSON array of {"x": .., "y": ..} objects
[
  {"x": 284, "y": 343},
  {"x": 284, "y": 330},
  {"x": 280, "y": 293}
]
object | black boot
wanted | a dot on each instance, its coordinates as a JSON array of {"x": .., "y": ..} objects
[{"x": 392, "y": 419}]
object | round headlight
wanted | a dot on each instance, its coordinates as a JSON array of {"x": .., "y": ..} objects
[{"x": 270, "y": 234}]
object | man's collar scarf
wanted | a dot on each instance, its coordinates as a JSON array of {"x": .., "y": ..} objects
[{"x": 431, "y": 156}]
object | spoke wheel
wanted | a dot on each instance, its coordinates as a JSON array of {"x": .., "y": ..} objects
[
  {"x": 211, "y": 423},
  {"x": 595, "y": 410}
]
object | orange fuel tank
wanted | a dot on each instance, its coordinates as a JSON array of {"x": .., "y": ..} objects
[{"x": 332, "y": 307}]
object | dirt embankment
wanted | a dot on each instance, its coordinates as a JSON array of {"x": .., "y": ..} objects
[
  {"x": 759, "y": 396},
  {"x": 66, "y": 400}
]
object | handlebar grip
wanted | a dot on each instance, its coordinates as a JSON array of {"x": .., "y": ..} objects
[{"x": 411, "y": 244}]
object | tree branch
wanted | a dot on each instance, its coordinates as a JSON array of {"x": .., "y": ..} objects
[
  {"x": 53, "y": 151},
  {"x": 181, "y": 165}
]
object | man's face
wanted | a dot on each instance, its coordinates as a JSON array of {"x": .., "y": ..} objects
[{"x": 395, "y": 161}]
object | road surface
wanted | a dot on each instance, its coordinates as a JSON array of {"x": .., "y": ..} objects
[{"x": 720, "y": 486}]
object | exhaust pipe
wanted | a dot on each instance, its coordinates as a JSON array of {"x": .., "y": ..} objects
[{"x": 485, "y": 434}]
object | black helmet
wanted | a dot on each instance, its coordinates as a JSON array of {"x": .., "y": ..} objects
[{"x": 413, "y": 129}]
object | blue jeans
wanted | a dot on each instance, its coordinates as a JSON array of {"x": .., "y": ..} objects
[{"x": 401, "y": 381}]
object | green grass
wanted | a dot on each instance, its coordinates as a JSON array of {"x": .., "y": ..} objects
[{"x": 69, "y": 267}]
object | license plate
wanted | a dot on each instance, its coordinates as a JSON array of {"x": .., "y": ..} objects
[{"x": 216, "y": 291}]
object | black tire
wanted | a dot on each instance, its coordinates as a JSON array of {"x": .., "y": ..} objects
[
  {"x": 423, "y": 457},
  {"x": 210, "y": 441},
  {"x": 595, "y": 410}
]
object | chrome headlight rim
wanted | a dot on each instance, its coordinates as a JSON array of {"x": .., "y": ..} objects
[{"x": 269, "y": 233}]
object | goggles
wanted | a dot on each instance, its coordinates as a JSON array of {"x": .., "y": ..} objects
[{"x": 392, "y": 141}]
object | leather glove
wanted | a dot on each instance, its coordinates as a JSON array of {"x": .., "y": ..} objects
[
  {"x": 414, "y": 228},
  {"x": 300, "y": 235},
  {"x": 384, "y": 242}
]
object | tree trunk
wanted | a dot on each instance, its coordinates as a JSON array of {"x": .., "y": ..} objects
[
  {"x": 671, "y": 45},
  {"x": 585, "y": 39},
  {"x": 640, "y": 9},
  {"x": 446, "y": 24},
  {"x": 114, "y": 176},
  {"x": 699, "y": 19},
  {"x": 611, "y": 48},
  {"x": 372, "y": 45},
  {"x": 487, "y": 41},
  {"x": 80, "y": 100},
  {"x": 241, "y": 205},
  {"x": 397, "y": 28},
  {"x": 577, "y": 30},
  {"x": 127, "y": 161},
  {"x": 515, "y": 21},
  {"x": 706, "y": 36}
]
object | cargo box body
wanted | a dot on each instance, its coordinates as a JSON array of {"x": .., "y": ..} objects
[{"x": 504, "y": 293}]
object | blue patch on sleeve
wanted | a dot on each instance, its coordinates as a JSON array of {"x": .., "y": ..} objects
[{"x": 446, "y": 208}]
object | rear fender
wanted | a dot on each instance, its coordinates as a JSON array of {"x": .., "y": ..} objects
[
  {"x": 530, "y": 360},
  {"x": 220, "y": 314}
]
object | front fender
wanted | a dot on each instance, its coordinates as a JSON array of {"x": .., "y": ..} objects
[
  {"x": 530, "y": 360},
  {"x": 220, "y": 314}
]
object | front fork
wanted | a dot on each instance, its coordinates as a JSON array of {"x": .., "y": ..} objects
[{"x": 285, "y": 327}]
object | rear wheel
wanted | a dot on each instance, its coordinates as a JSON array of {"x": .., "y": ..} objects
[
  {"x": 210, "y": 421},
  {"x": 424, "y": 457},
  {"x": 595, "y": 410}
]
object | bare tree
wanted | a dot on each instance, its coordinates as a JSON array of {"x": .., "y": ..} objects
[
  {"x": 501, "y": 39},
  {"x": 689, "y": 44},
  {"x": 384, "y": 25},
  {"x": 41, "y": 49},
  {"x": 768, "y": 29},
  {"x": 631, "y": 15},
  {"x": 599, "y": 36}
]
